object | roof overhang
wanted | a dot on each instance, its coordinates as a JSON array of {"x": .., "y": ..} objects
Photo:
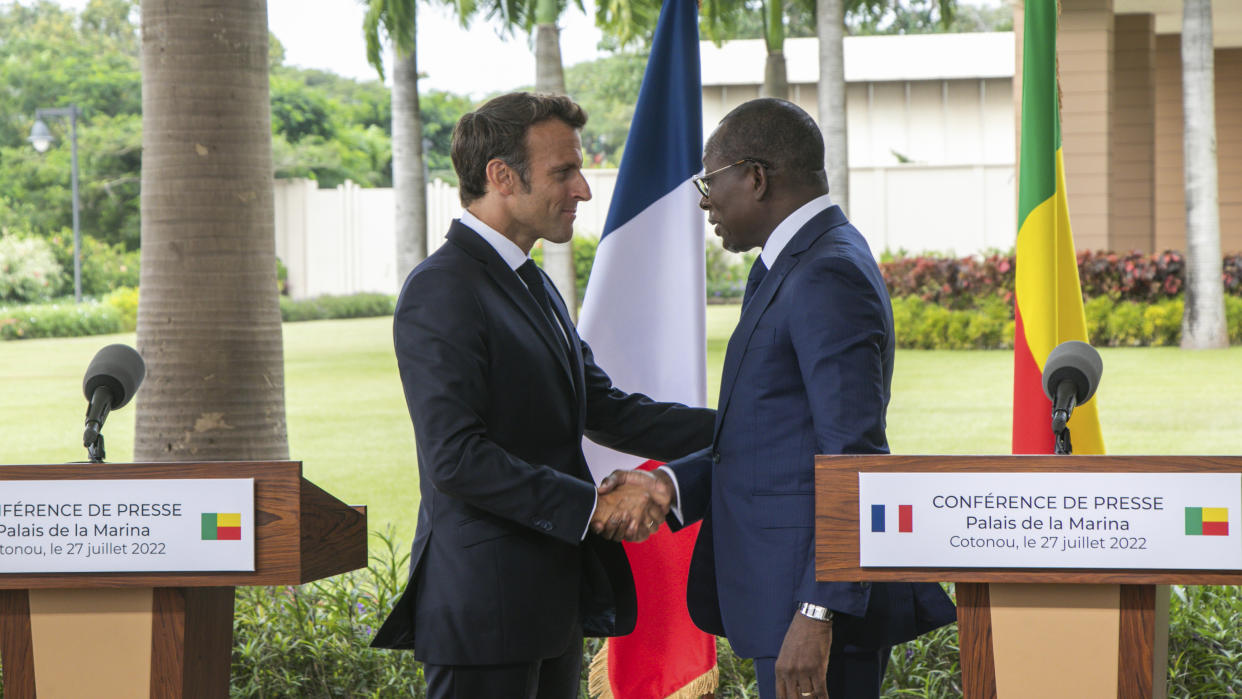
[{"x": 1226, "y": 18}]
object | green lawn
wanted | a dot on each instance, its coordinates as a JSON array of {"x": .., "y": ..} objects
[{"x": 348, "y": 424}]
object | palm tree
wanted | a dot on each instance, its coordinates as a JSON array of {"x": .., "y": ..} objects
[
  {"x": 720, "y": 20},
  {"x": 830, "y": 29},
  {"x": 1203, "y": 321},
  {"x": 558, "y": 258},
  {"x": 398, "y": 20},
  {"x": 208, "y": 314}
]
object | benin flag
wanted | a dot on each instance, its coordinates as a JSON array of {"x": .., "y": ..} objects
[
  {"x": 1048, "y": 303},
  {"x": 1207, "y": 521},
  {"x": 221, "y": 526}
]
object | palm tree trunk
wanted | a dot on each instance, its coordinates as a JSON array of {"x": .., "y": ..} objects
[
  {"x": 830, "y": 28},
  {"x": 409, "y": 180},
  {"x": 208, "y": 317},
  {"x": 558, "y": 259},
  {"x": 775, "y": 80},
  {"x": 1203, "y": 322}
]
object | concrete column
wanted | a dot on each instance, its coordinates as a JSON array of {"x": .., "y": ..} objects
[
  {"x": 1133, "y": 135},
  {"x": 1170, "y": 214},
  {"x": 1085, "y": 72},
  {"x": 1170, "y": 184},
  {"x": 1085, "y": 55}
]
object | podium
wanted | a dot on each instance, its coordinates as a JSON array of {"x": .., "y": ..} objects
[
  {"x": 164, "y": 634},
  {"x": 1029, "y": 632}
]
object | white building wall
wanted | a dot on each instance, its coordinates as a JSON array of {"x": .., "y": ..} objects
[{"x": 943, "y": 103}]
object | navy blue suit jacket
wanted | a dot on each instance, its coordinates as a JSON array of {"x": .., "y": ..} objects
[
  {"x": 499, "y": 570},
  {"x": 807, "y": 371}
]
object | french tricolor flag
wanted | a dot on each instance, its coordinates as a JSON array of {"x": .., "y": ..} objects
[
  {"x": 880, "y": 518},
  {"x": 644, "y": 316}
]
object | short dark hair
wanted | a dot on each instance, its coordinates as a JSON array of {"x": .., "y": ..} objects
[
  {"x": 775, "y": 131},
  {"x": 498, "y": 129}
]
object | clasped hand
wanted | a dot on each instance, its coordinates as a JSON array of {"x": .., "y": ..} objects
[{"x": 632, "y": 505}]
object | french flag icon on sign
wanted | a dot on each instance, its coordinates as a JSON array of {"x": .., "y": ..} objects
[{"x": 905, "y": 518}]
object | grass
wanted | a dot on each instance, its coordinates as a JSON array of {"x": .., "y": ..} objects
[{"x": 348, "y": 421}]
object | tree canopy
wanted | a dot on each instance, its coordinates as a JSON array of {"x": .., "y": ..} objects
[{"x": 324, "y": 126}]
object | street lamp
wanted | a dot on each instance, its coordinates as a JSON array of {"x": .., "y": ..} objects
[{"x": 41, "y": 138}]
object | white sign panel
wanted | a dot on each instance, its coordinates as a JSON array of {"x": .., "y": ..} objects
[
  {"x": 97, "y": 526},
  {"x": 1187, "y": 521}
]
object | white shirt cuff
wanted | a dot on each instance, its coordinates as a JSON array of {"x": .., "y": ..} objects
[
  {"x": 675, "y": 508},
  {"x": 592, "y": 516}
]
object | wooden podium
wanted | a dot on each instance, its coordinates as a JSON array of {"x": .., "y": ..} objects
[
  {"x": 1029, "y": 632},
  {"x": 164, "y": 634}
]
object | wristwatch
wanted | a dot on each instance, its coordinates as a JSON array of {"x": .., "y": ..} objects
[{"x": 816, "y": 612}]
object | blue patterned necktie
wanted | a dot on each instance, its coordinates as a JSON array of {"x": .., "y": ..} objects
[{"x": 757, "y": 271}]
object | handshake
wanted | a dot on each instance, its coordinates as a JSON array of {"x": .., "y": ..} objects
[{"x": 632, "y": 505}]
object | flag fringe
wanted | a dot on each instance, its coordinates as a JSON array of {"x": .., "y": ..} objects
[{"x": 599, "y": 687}]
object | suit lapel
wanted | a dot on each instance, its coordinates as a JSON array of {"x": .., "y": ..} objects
[
  {"x": 746, "y": 327},
  {"x": 575, "y": 349},
  {"x": 785, "y": 262},
  {"x": 513, "y": 287}
]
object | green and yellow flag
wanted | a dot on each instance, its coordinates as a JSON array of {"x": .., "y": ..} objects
[{"x": 1048, "y": 299}]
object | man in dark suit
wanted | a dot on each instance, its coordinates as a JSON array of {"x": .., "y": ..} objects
[
  {"x": 508, "y": 570},
  {"x": 807, "y": 371}
]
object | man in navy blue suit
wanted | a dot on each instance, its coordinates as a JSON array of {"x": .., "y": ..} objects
[{"x": 806, "y": 372}]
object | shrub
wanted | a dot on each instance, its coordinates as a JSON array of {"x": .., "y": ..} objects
[
  {"x": 970, "y": 281},
  {"x": 1124, "y": 326},
  {"x": 951, "y": 282},
  {"x": 726, "y": 273},
  {"x": 585, "y": 247},
  {"x": 125, "y": 301},
  {"x": 1097, "y": 311},
  {"x": 1204, "y": 645},
  {"x": 1133, "y": 276},
  {"x": 104, "y": 266},
  {"x": 923, "y": 325},
  {"x": 28, "y": 269},
  {"x": 364, "y": 305},
  {"x": 59, "y": 320},
  {"x": 312, "y": 640},
  {"x": 1233, "y": 319}
]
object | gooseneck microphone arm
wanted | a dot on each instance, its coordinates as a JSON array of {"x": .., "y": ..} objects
[
  {"x": 1071, "y": 375},
  {"x": 96, "y": 412}
]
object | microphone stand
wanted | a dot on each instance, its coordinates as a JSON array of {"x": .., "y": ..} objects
[
  {"x": 1063, "y": 446},
  {"x": 95, "y": 449}
]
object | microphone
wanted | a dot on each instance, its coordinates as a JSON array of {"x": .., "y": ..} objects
[
  {"x": 111, "y": 380},
  {"x": 1071, "y": 375}
]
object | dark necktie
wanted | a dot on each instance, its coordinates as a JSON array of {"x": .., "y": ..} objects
[
  {"x": 757, "y": 271},
  {"x": 529, "y": 272}
]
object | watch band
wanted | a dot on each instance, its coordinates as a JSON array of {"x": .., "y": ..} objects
[{"x": 816, "y": 612}]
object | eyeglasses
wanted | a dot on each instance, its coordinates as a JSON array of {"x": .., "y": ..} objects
[{"x": 701, "y": 181}]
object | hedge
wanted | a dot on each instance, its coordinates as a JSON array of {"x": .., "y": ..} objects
[
  {"x": 117, "y": 312},
  {"x": 926, "y": 325},
  {"x": 64, "y": 319},
  {"x": 364, "y": 305},
  {"x": 965, "y": 282}
]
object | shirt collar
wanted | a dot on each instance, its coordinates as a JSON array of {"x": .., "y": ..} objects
[
  {"x": 507, "y": 249},
  {"x": 785, "y": 230}
]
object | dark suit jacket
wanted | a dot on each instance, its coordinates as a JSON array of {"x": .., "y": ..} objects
[
  {"x": 806, "y": 372},
  {"x": 499, "y": 569}
]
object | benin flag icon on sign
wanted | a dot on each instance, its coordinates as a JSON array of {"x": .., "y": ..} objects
[
  {"x": 221, "y": 526},
  {"x": 1207, "y": 521}
]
